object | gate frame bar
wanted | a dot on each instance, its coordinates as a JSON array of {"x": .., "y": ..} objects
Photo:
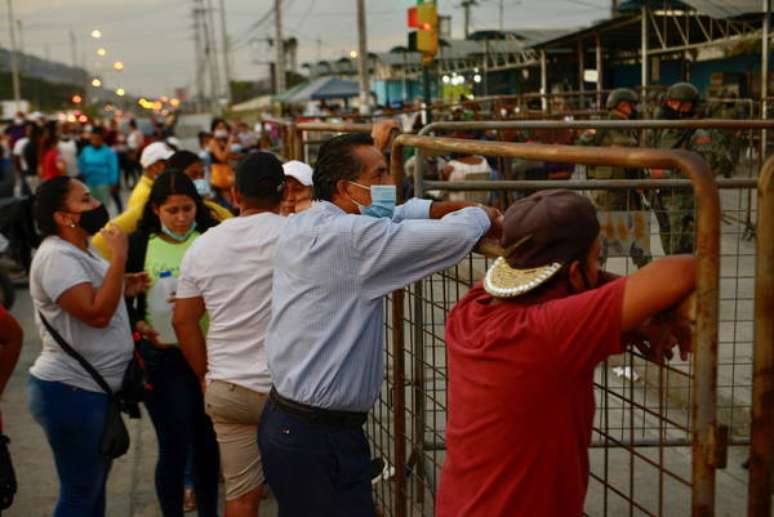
[{"x": 708, "y": 443}]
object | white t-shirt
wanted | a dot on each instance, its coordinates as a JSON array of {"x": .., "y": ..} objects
[
  {"x": 135, "y": 139},
  {"x": 68, "y": 150},
  {"x": 18, "y": 150},
  {"x": 230, "y": 267},
  {"x": 58, "y": 266}
]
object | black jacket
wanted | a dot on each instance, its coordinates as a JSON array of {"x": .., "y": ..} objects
[{"x": 135, "y": 263}]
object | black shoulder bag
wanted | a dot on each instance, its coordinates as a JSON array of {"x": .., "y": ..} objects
[
  {"x": 7, "y": 474},
  {"x": 114, "y": 441}
]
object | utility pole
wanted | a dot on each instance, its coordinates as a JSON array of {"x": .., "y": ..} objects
[
  {"x": 14, "y": 64},
  {"x": 279, "y": 47},
  {"x": 73, "y": 48},
  {"x": 226, "y": 50},
  {"x": 22, "y": 56},
  {"x": 362, "y": 62},
  {"x": 502, "y": 14},
  {"x": 212, "y": 57},
  {"x": 613, "y": 8},
  {"x": 198, "y": 10},
  {"x": 466, "y": 5}
]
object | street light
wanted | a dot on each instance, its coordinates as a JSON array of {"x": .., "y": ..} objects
[
  {"x": 96, "y": 34},
  {"x": 118, "y": 66},
  {"x": 96, "y": 83},
  {"x": 120, "y": 92},
  {"x": 101, "y": 52},
  {"x": 353, "y": 54}
]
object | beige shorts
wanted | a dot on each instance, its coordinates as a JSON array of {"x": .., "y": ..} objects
[{"x": 235, "y": 412}]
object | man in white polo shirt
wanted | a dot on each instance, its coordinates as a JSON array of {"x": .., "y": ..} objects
[
  {"x": 298, "y": 191},
  {"x": 228, "y": 273}
]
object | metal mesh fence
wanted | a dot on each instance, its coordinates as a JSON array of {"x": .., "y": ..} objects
[{"x": 641, "y": 449}]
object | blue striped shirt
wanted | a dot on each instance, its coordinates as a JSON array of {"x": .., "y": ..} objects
[{"x": 331, "y": 272}]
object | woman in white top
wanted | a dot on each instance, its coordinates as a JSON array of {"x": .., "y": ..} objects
[
  {"x": 468, "y": 168},
  {"x": 81, "y": 296}
]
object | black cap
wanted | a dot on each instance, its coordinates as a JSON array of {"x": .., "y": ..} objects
[
  {"x": 259, "y": 174},
  {"x": 547, "y": 227}
]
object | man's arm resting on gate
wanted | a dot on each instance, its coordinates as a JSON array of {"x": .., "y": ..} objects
[
  {"x": 187, "y": 315},
  {"x": 656, "y": 313}
]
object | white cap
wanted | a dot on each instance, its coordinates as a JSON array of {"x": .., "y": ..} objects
[
  {"x": 175, "y": 142},
  {"x": 155, "y": 152},
  {"x": 300, "y": 171}
]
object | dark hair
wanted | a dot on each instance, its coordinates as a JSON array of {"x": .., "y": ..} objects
[
  {"x": 132, "y": 123},
  {"x": 182, "y": 159},
  {"x": 202, "y": 135},
  {"x": 49, "y": 139},
  {"x": 49, "y": 198},
  {"x": 216, "y": 121},
  {"x": 98, "y": 130},
  {"x": 168, "y": 183},
  {"x": 337, "y": 161},
  {"x": 260, "y": 180}
]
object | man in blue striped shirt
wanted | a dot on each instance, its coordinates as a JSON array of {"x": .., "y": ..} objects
[{"x": 333, "y": 265}]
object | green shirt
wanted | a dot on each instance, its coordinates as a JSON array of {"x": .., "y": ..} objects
[{"x": 166, "y": 256}]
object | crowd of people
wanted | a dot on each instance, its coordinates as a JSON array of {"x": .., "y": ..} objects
[{"x": 250, "y": 295}]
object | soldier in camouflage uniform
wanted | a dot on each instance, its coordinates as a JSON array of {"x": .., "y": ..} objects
[
  {"x": 675, "y": 208},
  {"x": 621, "y": 105}
]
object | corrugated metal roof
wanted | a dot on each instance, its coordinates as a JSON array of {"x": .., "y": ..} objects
[
  {"x": 526, "y": 36},
  {"x": 719, "y": 9},
  {"x": 726, "y": 8}
]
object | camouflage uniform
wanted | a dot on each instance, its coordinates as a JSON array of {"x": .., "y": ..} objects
[
  {"x": 615, "y": 200},
  {"x": 727, "y": 143},
  {"x": 674, "y": 208}
]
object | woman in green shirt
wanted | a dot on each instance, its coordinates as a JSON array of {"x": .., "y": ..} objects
[{"x": 173, "y": 218}]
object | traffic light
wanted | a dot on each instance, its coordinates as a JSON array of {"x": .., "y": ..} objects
[
  {"x": 427, "y": 29},
  {"x": 423, "y": 17}
]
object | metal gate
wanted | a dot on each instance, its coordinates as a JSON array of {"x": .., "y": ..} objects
[{"x": 635, "y": 426}]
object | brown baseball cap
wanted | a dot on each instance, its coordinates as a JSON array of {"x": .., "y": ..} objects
[{"x": 541, "y": 233}]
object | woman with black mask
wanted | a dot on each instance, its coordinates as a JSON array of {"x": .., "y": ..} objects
[{"x": 80, "y": 295}]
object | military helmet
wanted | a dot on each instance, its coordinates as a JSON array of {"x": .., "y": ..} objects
[
  {"x": 621, "y": 95},
  {"x": 682, "y": 92}
]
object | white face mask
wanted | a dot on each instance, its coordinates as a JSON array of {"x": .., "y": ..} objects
[{"x": 221, "y": 133}]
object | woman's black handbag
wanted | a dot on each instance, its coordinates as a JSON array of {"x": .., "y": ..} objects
[
  {"x": 134, "y": 384},
  {"x": 114, "y": 441},
  {"x": 7, "y": 475}
]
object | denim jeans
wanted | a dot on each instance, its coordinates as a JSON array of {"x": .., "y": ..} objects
[
  {"x": 72, "y": 419},
  {"x": 176, "y": 407},
  {"x": 315, "y": 469}
]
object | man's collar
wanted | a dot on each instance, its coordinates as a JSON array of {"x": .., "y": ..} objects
[{"x": 327, "y": 206}]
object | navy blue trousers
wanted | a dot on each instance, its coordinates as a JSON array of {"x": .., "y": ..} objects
[
  {"x": 315, "y": 469},
  {"x": 176, "y": 407}
]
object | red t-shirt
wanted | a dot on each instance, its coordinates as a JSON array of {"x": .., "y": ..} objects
[
  {"x": 50, "y": 169},
  {"x": 521, "y": 402}
]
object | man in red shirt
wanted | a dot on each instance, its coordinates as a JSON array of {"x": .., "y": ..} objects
[{"x": 522, "y": 348}]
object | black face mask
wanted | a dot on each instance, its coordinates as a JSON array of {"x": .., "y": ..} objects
[
  {"x": 93, "y": 220},
  {"x": 668, "y": 113}
]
